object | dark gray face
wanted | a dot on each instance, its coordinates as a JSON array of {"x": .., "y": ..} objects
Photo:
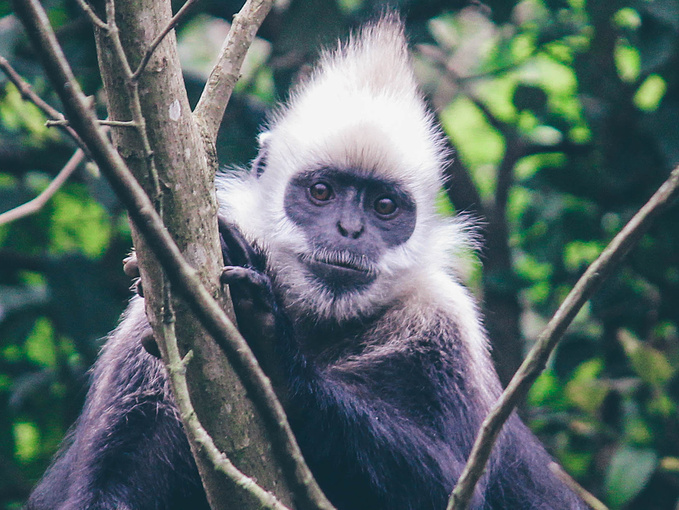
[{"x": 350, "y": 221}]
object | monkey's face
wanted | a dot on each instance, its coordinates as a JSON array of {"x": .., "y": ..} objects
[{"x": 349, "y": 219}]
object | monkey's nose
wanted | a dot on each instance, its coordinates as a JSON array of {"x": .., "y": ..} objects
[{"x": 348, "y": 230}]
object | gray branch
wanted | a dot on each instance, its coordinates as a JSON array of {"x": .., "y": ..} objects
[
  {"x": 34, "y": 205},
  {"x": 212, "y": 103},
  {"x": 176, "y": 366},
  {"x": 28, "y": 94},
  {"x": 159, "y": 38}
]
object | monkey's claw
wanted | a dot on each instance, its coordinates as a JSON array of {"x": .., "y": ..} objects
[{"x": 131, "y": 269}]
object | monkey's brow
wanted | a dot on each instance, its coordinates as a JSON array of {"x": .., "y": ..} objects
[{"x": 352, "y": 176}]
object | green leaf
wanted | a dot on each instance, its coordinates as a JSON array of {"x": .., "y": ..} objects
[
  {"x": 576, "y": 463},
  {"x": 27, "y": 440},
  {"x": 479, "y": 145},
  {"x": 650, "y": 93},
  {"x": 579, "y": 254},
  {"x": 670, "y": 464},
  {"x": 628, "y": 473},
  {"x": 40, "y": 343},
  {"x": 545, "y": 390},
  {"x": 584, "y": 389},
  {"x": 627, "y": 62},
  {"x": 79, "y": 224},
  {"x": 651, "y": 365}
]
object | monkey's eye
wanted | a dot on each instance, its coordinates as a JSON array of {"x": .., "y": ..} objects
[
  {"x": 321, "y": 192},
  {"x": 385, "y": 206}
]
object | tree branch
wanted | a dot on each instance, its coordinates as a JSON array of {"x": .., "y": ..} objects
[
  {"x": 91, "y": 15},
  {"x": 537, "y": 358},
  {"x": 181, "y": 13},
  {"x": 27, "y": 94},
  {"x": 106, "y": 122},
  {"x": 585, "y": 495},
  {"x": 38, "y": 202},
  {"x": 176, "y": 366},
  {"x": 134, "y": 102},
  {"x": 224, "y": 75}
]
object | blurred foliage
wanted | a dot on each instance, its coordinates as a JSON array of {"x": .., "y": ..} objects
[{"x": 564, "y": 115}]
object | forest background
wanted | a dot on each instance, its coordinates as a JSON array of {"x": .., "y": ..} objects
[{"x": 564, "y": 118}]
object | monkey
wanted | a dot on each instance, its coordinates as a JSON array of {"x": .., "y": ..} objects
[{"x": 335, "y": 255}]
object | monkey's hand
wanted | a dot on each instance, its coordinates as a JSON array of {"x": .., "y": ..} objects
[
  {"x": 131, "y": 269},
  {"x": 260, "y": 319},
  {"x": 251, "y": 290}
]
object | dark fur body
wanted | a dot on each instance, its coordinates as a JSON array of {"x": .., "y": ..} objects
[{"x": 384, "y": 409}]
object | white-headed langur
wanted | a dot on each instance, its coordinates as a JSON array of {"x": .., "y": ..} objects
[{"x": 335, "y": 254}]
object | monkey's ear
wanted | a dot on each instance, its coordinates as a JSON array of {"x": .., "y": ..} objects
[{"x": 259, "y": 164}]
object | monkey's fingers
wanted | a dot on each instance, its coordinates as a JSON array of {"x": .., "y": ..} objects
[
  {"x": 235, "y": 248},
  {"x": 138, "y": 288},
  {"x": 131, "y": 266},
  {"x": 253, "y": 302},
  {"x": 249, "y": 284},
  {"x": 131, "y": 269}
]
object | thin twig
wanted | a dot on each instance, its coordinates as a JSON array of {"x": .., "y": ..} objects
[
  {"x": 149, "y": 52},
  {"x": 38, "y": 202},
  {"x": 26, "y": 90},
  {"x": 28, "y": 94},
  {"x": 442, "y": 59},
  {"x": 182, "y": 276},
  {"x": 112, "y": 123},
  {"x": 176, "y": 366},
  {"x": 118, "y": 123},
  {"x": 89, "y": 12},
  {"x": 584, "y": 494},
  {"x": 537, "y": 358},
  {"x": 212, "y": 103}
]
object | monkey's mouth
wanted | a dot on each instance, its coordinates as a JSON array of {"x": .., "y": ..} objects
[{"x": 341, "y": 270}]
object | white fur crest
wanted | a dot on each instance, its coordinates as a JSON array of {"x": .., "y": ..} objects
[{"x": 361, "y": 110}]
